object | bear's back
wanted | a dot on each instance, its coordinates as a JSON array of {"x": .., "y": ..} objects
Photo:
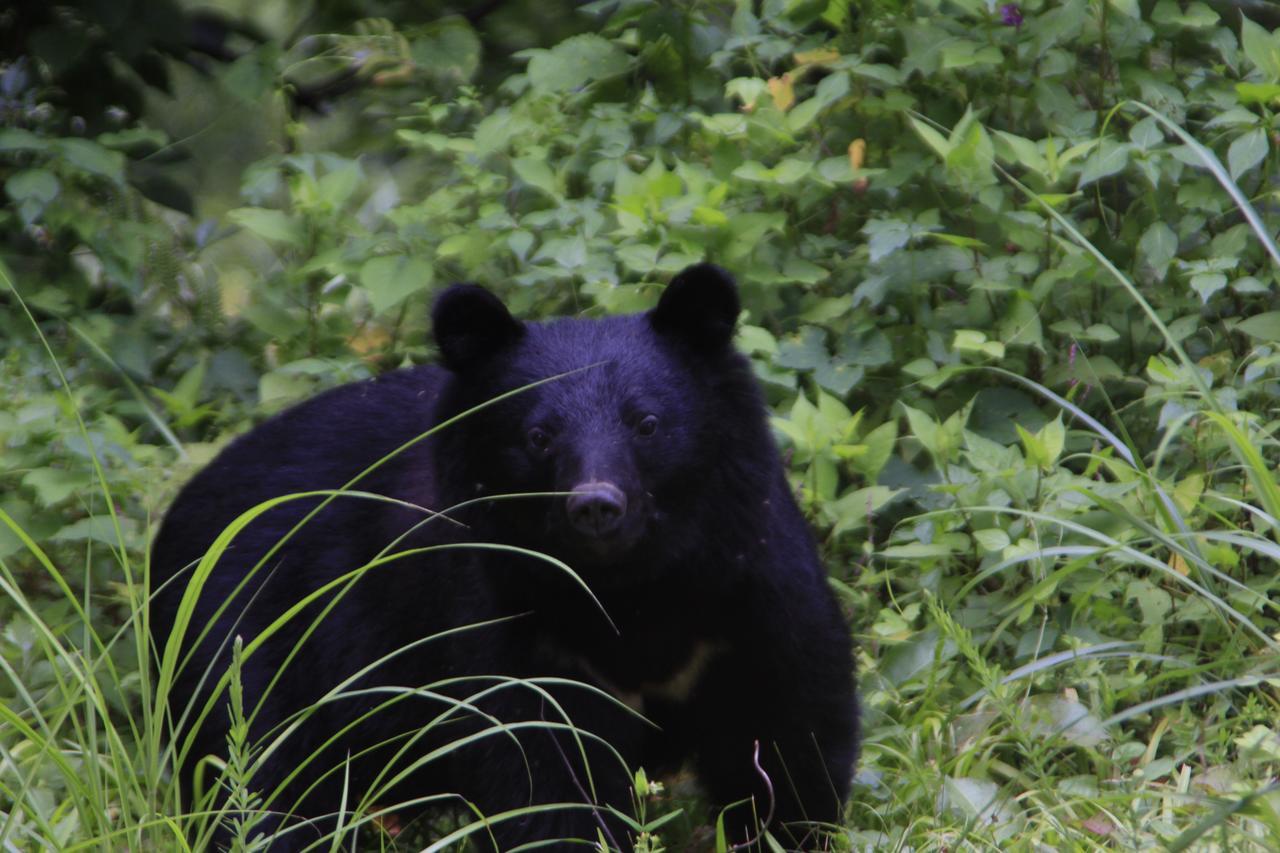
[{"x": 322, "y": 443}]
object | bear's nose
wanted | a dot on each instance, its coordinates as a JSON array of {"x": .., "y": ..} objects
[{"x": 596, "y": 509}]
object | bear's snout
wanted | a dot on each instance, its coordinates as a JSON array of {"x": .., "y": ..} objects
[{"x": 596, "y": 509}]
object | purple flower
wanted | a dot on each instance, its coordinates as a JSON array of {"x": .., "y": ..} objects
[{"x": 1011, "y": 15}]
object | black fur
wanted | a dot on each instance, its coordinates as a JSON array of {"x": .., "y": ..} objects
[{"x": 696, "y": 552}]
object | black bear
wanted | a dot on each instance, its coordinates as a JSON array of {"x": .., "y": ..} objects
[{"x": 599, "y": 566}]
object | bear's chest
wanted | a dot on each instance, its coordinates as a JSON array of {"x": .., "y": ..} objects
[
  {"x": 660, "y": 658},
  {"x": 640, "y": 680}
]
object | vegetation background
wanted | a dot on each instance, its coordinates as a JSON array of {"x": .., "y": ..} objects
[{"x": 1010, "y": 285}]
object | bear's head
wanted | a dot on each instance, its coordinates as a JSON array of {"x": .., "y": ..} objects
[{"x": 639, "y": 421}]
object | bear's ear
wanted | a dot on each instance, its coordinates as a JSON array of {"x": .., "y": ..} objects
[
  {"x": 699, "y": 306},
  {"x": 470, "y": 324}
]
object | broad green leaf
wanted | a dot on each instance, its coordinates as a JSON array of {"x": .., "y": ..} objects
[
  {"x": 1257, "y": 93},
  {"x": 1128, "y": 8},
  {"x": 17, "y": 139},
  {"x": 1246, "y": 152},
  {"x": 832, "y": 88},
  {"x": 54, "y": 485},
  {"x": 32, "y": 189},
  {"x": 1053, "y": 437},
  {"x": 880, "y": 443},
  {"x": 391, "y": 278},
  {"x": 1196, "y": 15},
  {"x": 575, "y": 62},
  {"x": 974, "y": 800},
  {"x": 932, "y": 138},
  {"x": 853, "y": 510},
  {"x": 1265, "y": 326},
  {"x": 1109, "y": 158},
  {"x": 788, "y": 171},
  {"x": 1033, "y": 448},
  {"x": 1158, "y": 246},
  {"x": 1146, "y": 134},
  {"x": 37, "y": 185},
  {"x": 1206, "y": 284},
  {"x": 536, "y": 173},
  {"x": 971, "y": 155},
  {"x": 1262, "y": 48},
  {"x": 93, "y": 158},
  {"x": 274, "y": 225},
  {"x": 928, "y": 432},
  {"x": 1021, "y": 151},
  {"x": 992, "y": 539}
]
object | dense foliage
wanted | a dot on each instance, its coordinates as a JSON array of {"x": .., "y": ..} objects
[{"x": 1006, "y": 286}]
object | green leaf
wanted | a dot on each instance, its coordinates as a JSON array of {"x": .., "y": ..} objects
[
  {"x": 1257, "y": 93},
  {"x": 1206, "y": 284},
  {"x": 880, "y": 443},
  {"x": 832, "y": 88},
  {"x": 92, "y": 158},
  {"x": 448, "y": 48},
  {"x": 1108, "y": 158},
  {"x": 1053, "y": 437},
  {"x": 806, "y": 351},
  {"x": 32, "y": 189},
  {"x": 389, "y": 279},
  {"x": 1265, "y": 326},
  {"x": 992, "y": 539},
  {"x": 971, "y": 155},
  {"x": 274, "y": 225},
  {"x": 1246, "y": 152},
  {"x": 536, "y": 173},
  {"x": 1158, "y": 246},
  {"x": 974, "y": 800},
  {"x": 1196, "y": 15},
  {"x": 576, "y": 62},
  {"x": 928, "y": 432},
  {"x": 1033, "y": 447},
  {"x": 54, "y": 485},
  {"x": 1262, "y": 49},
  {"x": 931, "y": 137},
  {"x": 1128, "y": 8},
  {"x": 1021, "y": 151},
  {"x": 788, "y": 171},
  {"x": 852, "y": 511},
  {"x": 17, "y": 139}
]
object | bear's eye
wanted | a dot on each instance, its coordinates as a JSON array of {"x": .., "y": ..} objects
[
  {"x": 539, "y": 438},
  {"x": 648, "y": 426}
]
